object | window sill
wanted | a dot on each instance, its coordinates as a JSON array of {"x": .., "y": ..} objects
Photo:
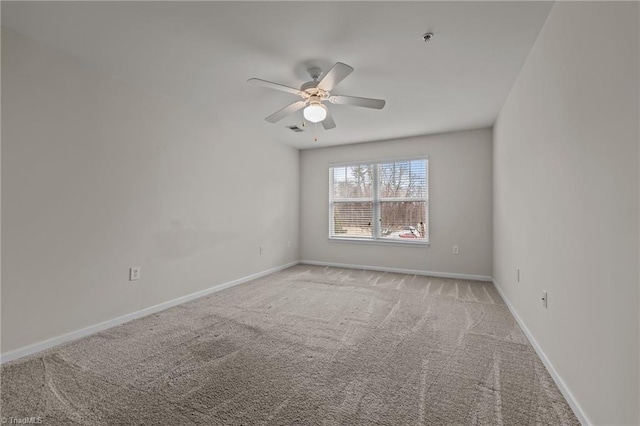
[{"x": 382, "y": 242}]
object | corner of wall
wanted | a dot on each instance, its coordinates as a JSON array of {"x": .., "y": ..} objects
[{"x": 638, "y": 100}]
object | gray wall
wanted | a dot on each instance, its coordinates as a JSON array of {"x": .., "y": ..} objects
[
  {"x": 98, "y": 176},
  {"x": 566, "y": 202},
  {"x": 459, "y": 198}
]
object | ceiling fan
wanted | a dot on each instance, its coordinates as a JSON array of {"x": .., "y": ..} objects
[{"x": 315, "y": 93}]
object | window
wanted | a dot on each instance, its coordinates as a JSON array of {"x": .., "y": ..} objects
[{"x": 380, "y": 201}]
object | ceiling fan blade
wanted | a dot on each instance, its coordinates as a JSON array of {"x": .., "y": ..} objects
[
  {"x": 328, "y": 122},
  {"x": 273, "y": 85},
  {"x": 356, "y": 101},
  {"x": 336, "y": 74},
  {"x": 289, "y": 109}
]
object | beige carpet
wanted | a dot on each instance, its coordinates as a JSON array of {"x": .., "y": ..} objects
[{"x": 305, "y": 346}]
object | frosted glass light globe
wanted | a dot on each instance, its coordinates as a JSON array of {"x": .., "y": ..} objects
[{"x": 315, "y": 113}]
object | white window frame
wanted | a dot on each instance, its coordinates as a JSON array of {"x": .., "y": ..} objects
[{"x": 376, "y": 239}]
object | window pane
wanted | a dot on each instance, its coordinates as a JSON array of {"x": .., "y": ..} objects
[
  {"x": 352, "y": 219},
  {"x": 403, "y": 220},
  {"x": 352, "y": 182},
  {"x": 403, "y": 179},
  {"x": 380, "y": 200}
]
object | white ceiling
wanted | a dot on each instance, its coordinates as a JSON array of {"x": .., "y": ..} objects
[{"x": 200, "y": 54}]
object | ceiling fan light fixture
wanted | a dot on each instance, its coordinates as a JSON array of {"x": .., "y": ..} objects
[
  {"x": 315, "y": 113},
  {"x": 314, "y": 93}
]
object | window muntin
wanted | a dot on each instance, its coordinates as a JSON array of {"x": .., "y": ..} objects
[{"x": 382, "y": 201}]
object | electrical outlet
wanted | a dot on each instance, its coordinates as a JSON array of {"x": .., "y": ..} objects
[
  {"x": 518, "y": 272},
  {"x": 288, "y": 243},
  {"x": 134, "y": 273},
  {"x": 261, "y": 249},
  {"x": 456, "y": 249},
  {"x": 545, "y": 298}
]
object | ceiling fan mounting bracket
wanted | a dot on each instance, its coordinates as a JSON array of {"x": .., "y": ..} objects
[{"x": 315, "y": 73}]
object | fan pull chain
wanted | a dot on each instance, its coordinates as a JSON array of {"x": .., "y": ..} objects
[{"x": 315, "y": 129}]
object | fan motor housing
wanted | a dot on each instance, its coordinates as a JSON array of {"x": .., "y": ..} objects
[
  {"x": 309, "y": 85},
  {"x": 310, "y": 90},
  {"x": 313, "y": 99}
]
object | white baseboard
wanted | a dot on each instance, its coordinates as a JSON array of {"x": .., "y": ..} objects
[
  {"x": 401, "y": 271},
  {"x": 55, "y": 341},
  {"x": 577, "y": 409}
]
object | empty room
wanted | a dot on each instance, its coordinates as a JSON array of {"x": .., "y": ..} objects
[{"x": 320, "y": 213}]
